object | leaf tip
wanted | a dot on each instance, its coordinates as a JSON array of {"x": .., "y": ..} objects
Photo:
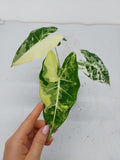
[
  {"x": 109, "y": 83},
  {"x": 11, "y": 65},
  {"x": 54, "y": 28},
  {"x": 108, "y": 80},
  {"x": 83, "y": 51}
]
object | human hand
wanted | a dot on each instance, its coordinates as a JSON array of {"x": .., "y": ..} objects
[{"x": 29, "y": 139}]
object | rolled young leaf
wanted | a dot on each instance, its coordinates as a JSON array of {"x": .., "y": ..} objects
[
  {"x": 64, "y": 39},
  {"x": 94, "y": 67},
  {"x": 58, "y": 89},
  {"x": 36, "y": 45}
]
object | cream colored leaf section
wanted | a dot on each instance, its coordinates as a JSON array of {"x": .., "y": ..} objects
[
  {"x": 40, "y": 49},
  {"x": 50, "y": 75},
  {"x": 51, "y": 67}
]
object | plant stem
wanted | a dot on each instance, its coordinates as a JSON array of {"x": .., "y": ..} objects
[{"x": 57, "y": 57}]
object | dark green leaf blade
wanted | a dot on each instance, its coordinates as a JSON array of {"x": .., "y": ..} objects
[
  {"x": 94, "y": 67},
  {"x": 58, "y": 89}
]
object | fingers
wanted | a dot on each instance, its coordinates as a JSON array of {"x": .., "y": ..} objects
[
  {"x": 28, "y": 124},
  {"x": 39, "y": 124},
  {"x": 38, "y": 143}
]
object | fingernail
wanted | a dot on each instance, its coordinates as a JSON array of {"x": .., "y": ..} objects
[{"x": 45, "y": 130}]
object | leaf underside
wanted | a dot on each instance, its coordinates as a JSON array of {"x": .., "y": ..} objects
[
  {"x": 58, "y": 89},
  {"x": 36, "y": 45},
  {"x": 94, "y": 68}
]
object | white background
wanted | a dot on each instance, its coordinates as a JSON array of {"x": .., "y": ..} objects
[
  {"x": 92, "y": 130},
  {"x": 79, "y": 11}
]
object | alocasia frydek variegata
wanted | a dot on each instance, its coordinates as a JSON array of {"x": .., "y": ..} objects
[
  {"x": 93, "y": 67},
  {"x": 58, "y": 88},
  {"x": 58, "y": 85},
  {"x": 37, "y": 45}
]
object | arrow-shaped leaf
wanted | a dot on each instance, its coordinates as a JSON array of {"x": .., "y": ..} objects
[
  {"x": 94, "y": 67},
  {"x": 58, "y": 89},
  {"x": 36, "y": 45}
]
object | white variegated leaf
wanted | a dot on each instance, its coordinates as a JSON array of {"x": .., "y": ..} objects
[
  {"x": 94, "y": 67},
  {"x": 37, "y": 45},
  {"x": 58, "y": 89}
]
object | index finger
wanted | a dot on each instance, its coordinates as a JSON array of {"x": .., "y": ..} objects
[{"x": 28, "y": 124}]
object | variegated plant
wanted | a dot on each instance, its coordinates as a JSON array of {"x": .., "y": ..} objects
[{"x": 58, "y": 85}]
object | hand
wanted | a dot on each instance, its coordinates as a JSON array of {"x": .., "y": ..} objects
[{"x": 29, "y": 139}]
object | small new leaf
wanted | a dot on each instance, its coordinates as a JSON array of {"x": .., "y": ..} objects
[
  {"x": 58, "y": 89},
  {"x": 64, "y": 39},
  {"x": 93, "y": 67}
]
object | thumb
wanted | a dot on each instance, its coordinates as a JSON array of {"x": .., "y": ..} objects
[{"x": 38, "y": 143}]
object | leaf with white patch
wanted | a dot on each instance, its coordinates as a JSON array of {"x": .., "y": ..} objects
[
  {"x": 58, "y": 89},
  {"x": 94, "y": 67},
  {"x": 37, "y": 45}
]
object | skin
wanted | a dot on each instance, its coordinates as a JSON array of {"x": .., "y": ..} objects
[{"x": 28, "y": 140}]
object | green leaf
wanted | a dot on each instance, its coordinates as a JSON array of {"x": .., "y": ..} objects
[
  {"x": 58, "y": 89},
  {"x": 93, "y": 67},
  {"x": 36, "y": 45}
]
